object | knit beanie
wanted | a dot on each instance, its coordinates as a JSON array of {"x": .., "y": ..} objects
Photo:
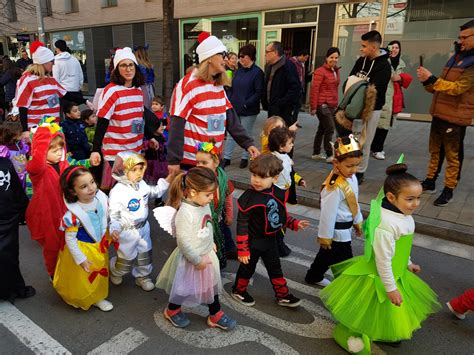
[
  {"x": 124, "y": 53},
  {"x": 208, "y": 46},
  {"x": 41, "y": 54}
]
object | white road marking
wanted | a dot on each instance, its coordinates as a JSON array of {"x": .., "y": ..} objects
[
  {"x": 216, "y": 339},
  {"x": 121, "y": 344},
  {"x": 30, "y": 334}
]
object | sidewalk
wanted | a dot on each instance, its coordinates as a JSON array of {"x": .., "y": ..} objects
[{"x": 453, "y": 222}]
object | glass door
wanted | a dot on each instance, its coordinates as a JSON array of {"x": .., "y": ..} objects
[{"x": 348, "y": 42}]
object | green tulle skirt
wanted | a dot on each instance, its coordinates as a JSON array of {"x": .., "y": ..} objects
[{"x": 361, "y": 304}]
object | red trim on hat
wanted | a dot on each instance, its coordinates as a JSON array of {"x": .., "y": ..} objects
[{"x": 202, "y": 36}]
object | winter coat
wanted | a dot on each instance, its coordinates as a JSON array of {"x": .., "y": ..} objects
[
  {"x": 76, "y": 138},
  {"x": 68, "y": 72},
  {"x": 8, "y": 79},
  {"x": 324, "y": 88},
  {"x": 246, "y": 90},
  {"x": 378, "y": 74},
  {"x": 281, "y": 96},
  {"x": 393, "y": 105}
]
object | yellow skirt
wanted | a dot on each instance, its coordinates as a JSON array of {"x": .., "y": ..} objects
[{"x": 77, "y": 287}]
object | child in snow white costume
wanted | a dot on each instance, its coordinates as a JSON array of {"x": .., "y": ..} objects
[
  {"x": 128, "y": 207},
  {"x": 81, "y": 276},
  {"x": 377, "y": 296}
]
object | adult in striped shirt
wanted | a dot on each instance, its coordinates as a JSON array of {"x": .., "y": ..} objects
[
  {"x": 120, "y": 123},
  {"x": 37, "y": 92},
  {"x": 200, "y": 110}
]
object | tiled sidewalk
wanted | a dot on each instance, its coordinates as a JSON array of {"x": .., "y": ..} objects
[{"x": 454, "y": 221}]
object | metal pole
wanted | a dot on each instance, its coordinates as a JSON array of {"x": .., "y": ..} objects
[{"x": 39, "y": 17}]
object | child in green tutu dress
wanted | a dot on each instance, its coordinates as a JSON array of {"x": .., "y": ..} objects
[{"x": 377, "y": 296}]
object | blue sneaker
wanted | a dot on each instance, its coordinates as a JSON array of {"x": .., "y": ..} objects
[
  {"x": 224, "y": 323},
  {"x": 179, "y": 320}
]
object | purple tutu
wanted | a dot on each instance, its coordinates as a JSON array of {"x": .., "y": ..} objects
[{"x": 155, "y": 170}]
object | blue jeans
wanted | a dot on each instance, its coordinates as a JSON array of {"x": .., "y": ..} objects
[{"x": 247, "y": 122}]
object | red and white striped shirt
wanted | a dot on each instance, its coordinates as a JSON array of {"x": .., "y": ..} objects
[
  {"x": 39, "y": 96},
  {"x": 203, "y": 105},
  {"x": 123, "y": 107}
]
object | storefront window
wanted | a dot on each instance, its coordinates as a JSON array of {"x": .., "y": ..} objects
[
  {"x": 233, "y": 32},
  {"x": 291, "y": 16},
  {"x": 427, "y": 28},
  {"x": 359, "y": 10}
]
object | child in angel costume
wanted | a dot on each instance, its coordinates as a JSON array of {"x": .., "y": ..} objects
[
  {"x": 377, "y": 296},
  {"x": 191, "y": 275},
  {"x": 128, "y": 211},
  {"x": 81, "y": 275}
]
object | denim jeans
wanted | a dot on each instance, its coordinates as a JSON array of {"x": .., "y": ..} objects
[{"x": 247, "y": 122}]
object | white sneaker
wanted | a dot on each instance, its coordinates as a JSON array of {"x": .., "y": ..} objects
[
  {"x": 379, "y": 155},
  {"x": 323, "y": 283},
  {"x": 320, "y": 156},
  {"x": 104, "y": 305},
  {"x": 329, "y": 159},
  {"x": 116, "y": 280},
  {"x": 145, "y": 283}
]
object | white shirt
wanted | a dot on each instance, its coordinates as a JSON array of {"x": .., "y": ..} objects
[
  {"x": 334, "y": 208},
  {"x": 392, "y": 226},
  {"x": 284, "y": 179}
]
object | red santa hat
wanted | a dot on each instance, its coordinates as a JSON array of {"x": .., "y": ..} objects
[
  {"x": 41, "y": 54},
  {"x": 208, "y": 46}
]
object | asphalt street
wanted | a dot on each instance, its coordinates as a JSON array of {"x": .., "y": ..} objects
[{"x": 45, "y": 324}]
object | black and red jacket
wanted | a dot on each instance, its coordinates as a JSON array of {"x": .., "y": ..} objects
[{"x": 262, "y": 214}]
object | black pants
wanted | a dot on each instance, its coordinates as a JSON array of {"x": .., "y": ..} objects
[
  {"x": 325, "y": 130},
  {"x": 267, "y": 250},
  {"x": 214, "y": 307},
  {"x": 12, "y": 283},
  {"x": 339, "y": 251},
  {"x": 379, "y": 140}
]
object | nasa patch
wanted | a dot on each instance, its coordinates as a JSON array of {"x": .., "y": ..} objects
[{"x": 133, "y": 205}]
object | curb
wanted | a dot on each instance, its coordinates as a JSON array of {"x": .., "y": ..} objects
[{"x": 429, "y": 226}]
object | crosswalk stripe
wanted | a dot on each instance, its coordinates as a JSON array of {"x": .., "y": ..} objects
[
  {"x": 30, "y": 334},
  {"x": 123, "y": 343}
]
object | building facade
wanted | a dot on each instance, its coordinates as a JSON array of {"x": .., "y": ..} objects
[{"x": 424, "y": 27}]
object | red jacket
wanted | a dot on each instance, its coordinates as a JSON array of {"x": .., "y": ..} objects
[
  {"x": 324, "y": 88},
  {"x": 47, "y": 207},
  {"x": 398, "y": 102}
]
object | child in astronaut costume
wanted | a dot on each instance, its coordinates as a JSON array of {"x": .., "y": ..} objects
[{"x": 128, "y": 207}]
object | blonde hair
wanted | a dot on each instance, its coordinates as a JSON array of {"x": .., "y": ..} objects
[
  {"x": 142, "y": 57},
  {"x": 219, "y": 79},
  {"x": 198, "y": 179},
  {"x": 38, "y": 70},
  {"x": 270, "y": 123}
]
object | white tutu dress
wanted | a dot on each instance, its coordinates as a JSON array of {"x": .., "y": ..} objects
[{"x": 192, "y": 227}]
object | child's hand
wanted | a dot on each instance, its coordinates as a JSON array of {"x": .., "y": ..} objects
[
  {"x": 325, "y": 243},
  {"x": 395, "y": 297},
  {"x": 244, "y": 259},
  {"x": 153, "y": 144},
  {"x": 86, "y": 265},
  {"x": 115, "y": 236},
  {"x": 253, "y": 151},
  {"x": 358, "y": 230},
  {"x": 214, "y": 248},
  {"x": 302, "y": 183},
  {"x": 203, "y": 264},
  {"x": 293, "y": 127},
  {"x": 95, "y": 159},
  {"x": 303, "y": 224},
  {"x": 414, "y": 268}
]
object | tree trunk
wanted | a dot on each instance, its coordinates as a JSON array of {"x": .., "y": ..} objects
[{"x": 168, "y": 14}]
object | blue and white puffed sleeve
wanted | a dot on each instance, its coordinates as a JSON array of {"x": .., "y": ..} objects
[{"x": 70, "y": 225}]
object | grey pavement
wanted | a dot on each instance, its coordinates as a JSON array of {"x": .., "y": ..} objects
[{"x": 453, "y": 222}]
